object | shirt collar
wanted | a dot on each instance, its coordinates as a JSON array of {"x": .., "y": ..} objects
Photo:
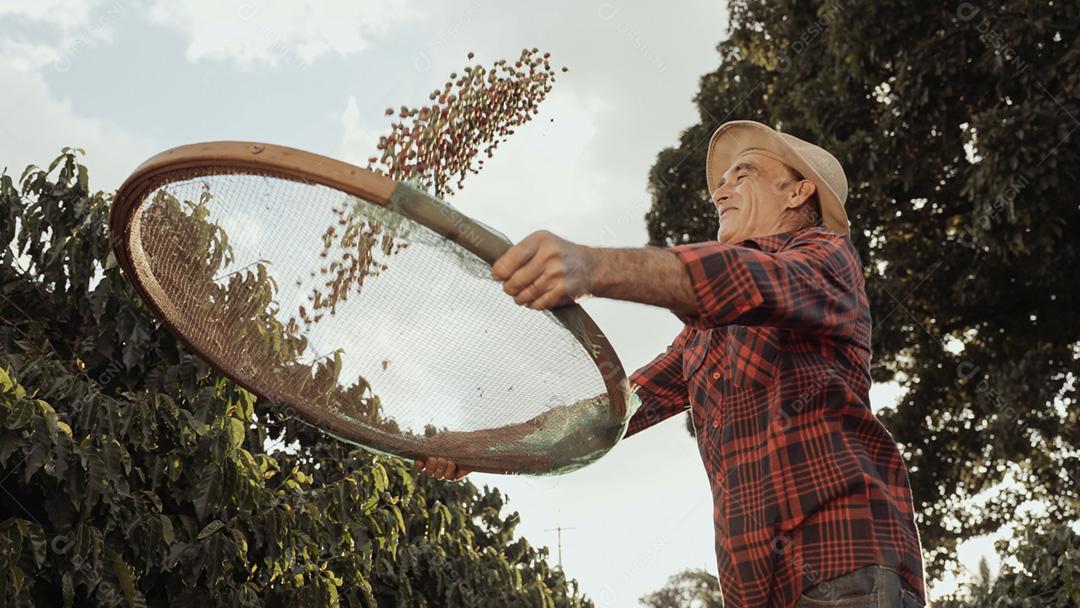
[{"x": 770, "y": 243}]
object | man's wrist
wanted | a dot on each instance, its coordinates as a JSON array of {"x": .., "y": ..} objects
[{"x": 599, "y": 265}]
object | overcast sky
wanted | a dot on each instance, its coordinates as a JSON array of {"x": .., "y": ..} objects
[{"x": 127, "y": 79}]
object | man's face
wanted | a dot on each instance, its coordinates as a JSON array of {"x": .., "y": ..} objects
[{"x": 752, "y": 196}]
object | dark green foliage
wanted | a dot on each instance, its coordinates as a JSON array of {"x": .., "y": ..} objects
[
  {"x": 959, "y": 129},
  {"x": 131, "y": 474}
]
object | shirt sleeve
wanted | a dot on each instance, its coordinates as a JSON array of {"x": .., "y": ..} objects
[
  {"x": 660, "y": 387},
  {"x": 809, "y": 286}
]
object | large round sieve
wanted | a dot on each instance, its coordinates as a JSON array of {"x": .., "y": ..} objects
[{"x": 366, "y": 307}]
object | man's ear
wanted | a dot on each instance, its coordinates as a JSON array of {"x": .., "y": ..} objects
[{"x": 800, "y": 193}]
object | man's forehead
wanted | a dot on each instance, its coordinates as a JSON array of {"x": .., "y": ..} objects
[{"x": 752, "y": 159}]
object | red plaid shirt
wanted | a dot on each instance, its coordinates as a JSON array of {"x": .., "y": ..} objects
[{"x": 807, "y": 484}]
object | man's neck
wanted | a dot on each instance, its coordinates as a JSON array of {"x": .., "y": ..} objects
[{"x": 782, "y": 229}]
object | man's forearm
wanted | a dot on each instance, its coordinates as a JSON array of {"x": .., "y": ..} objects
[{"x": 649, "y": 275}]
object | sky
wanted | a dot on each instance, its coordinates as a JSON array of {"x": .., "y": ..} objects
[{"x": 125, "y": 79}]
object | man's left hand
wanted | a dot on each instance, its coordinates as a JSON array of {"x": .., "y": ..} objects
[{"x": 545, "y": 271}]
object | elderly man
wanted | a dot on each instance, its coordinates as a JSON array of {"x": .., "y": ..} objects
[{"x": 812, "y": 504}]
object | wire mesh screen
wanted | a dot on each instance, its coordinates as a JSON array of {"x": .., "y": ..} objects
[{"x": 366, "y": 323}]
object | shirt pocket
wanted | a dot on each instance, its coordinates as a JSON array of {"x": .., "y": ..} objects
[
  {"x": 751, "y": 356},
  {"x": 697, "y": 347}
]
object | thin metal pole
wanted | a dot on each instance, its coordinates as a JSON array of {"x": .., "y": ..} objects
[{"x": 558, "y": 535}]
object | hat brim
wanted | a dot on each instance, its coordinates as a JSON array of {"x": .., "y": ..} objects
[{"x": 738, "y": 137}]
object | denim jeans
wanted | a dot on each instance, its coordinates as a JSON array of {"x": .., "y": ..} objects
[{"x": 869, "y": 587}]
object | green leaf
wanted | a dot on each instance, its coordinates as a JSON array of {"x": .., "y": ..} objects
[
  {"x": 210, "y": 528},
  {"x": 237, "y": 430},
  {"x": 38, "y": 548},
  {"x": 67, "y": 589},
  {"x": 17, "y": 577},
  {"x": 207, "y": 494},
  {"x": 97, "y": 480},
  {"x": 378, "y": 474},
  {"x": 400, "y": 519},
  {"x": 167, "y": 533},
  {"x": 20, "y": 415},
  {"x": 125, "y": 576},
  {"x": 247, "y": 405},
  {"x": 7, "y": 383},
  {"x": 370, "y": 503},
  {"x": 35, "y": 460}
]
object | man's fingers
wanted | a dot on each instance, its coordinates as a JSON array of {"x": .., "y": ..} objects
[
  {"x": 525, "y": 276},
  {"x": 514, "y": 258},
  {"x": 441, "y": 468},
  {"x": 556, "y": 296},
  {"x": 445, "y": 468},
  {"x": 526, "y": 296},
  {"x": 544, "y": 284},
  {"x": 431, "y": 467}
]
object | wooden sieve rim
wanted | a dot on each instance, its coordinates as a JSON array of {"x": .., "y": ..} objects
[{"x": 289, "y": 163}]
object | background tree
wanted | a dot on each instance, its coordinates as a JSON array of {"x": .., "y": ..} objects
[
  {"x": 957, "y": 126},
  {"x": 687, "y": 589},
  {"x": 1040, "y": 573}
]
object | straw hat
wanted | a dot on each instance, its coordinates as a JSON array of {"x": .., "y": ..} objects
[{"x": 738, "y": 137}]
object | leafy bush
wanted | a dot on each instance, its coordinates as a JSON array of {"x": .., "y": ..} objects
[{"x": 132, "y": 474}]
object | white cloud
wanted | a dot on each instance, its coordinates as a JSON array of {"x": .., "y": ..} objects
[
  {"x": 358, "y": 142},
  {"x": 65, "y": 15},
  {"x": 39, "y": 126},
  {"x": 70, "y": 26},
  {"x": 250, "y": 33},
  {"x": 28, "y": 56}
]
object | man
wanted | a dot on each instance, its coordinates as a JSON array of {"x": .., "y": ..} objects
[{"x": 812, "y": 504}]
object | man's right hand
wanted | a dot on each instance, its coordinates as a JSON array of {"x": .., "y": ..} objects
[{"x": 441, "y": 468}]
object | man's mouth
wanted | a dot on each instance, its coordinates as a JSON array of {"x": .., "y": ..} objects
[{"x": 727, "y": 209}]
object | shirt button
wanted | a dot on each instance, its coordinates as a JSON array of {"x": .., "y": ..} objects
[
  {"x": 716, "y": 376},
  {"x": 715, "y": 424}
]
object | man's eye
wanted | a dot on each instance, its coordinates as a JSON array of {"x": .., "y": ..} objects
[{"x": 739, "y": 179}]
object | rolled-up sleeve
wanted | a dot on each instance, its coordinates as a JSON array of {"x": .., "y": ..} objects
[
  {"x": 660, "y": 387},
  {"x": 809, "y": 286}
]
